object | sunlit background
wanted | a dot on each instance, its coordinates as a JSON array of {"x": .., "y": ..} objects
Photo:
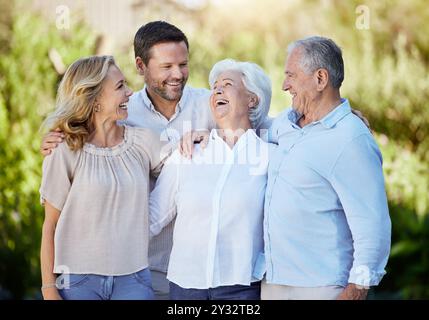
[{"x": 386, "y": 52}]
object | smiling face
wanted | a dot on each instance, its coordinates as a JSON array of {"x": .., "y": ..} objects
[
  {"x": 302, "y": 86},
  {"x": 230, "y": 100},
  {"x": 114, "y": 96},
  {"x": 167, "y": 70}
]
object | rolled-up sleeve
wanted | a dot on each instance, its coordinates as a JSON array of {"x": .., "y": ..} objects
[{"x": 357, "y": 177}]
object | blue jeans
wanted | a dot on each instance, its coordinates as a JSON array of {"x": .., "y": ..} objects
[
  {"x": 135, "y": 286},
  {"x": 235, "y": 292}
]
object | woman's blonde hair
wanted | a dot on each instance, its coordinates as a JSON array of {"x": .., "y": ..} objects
[{"x": 76, "y": 99}]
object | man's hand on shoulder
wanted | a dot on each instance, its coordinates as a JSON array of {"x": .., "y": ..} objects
[{"x": 50, "y": 141}]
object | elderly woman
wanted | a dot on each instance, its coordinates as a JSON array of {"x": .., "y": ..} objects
[
  {"x": 219, "y": 194},
  {"x": 95, "y": 190}
]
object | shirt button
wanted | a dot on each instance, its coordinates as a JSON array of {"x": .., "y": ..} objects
[{"x": 285, "y": 152}]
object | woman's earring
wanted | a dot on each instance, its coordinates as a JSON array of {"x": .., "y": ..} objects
[
  {"x": 97, "y": 107},
  {"x": 253, "y": 102}
]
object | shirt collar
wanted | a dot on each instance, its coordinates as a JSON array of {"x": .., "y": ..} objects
[
  {"x": 148, "y": 103},
  {"x": 249, "y": 136},
  {"x": 293, "y": 116},
  {"x": 333, "y": 117},
  {"x": 328, "y": 121}
]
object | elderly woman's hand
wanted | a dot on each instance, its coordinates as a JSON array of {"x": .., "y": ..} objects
[{"x": 186, "y": 145}]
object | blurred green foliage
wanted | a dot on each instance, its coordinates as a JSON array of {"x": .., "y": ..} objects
[
  {"x": 28, "y": 84},
  {"x": 386, "y": 78},
  {"x": 407, "y": 180}
]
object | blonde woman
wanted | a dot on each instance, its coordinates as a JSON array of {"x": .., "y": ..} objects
[{"x": 95, "y": 190}]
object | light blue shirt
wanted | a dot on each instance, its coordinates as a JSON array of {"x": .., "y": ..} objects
[{"x": 326, "y": 215}]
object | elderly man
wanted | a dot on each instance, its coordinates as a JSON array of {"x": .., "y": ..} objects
[{"x": 327, "y": 226}]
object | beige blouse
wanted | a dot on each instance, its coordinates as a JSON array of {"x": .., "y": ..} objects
[{"x": 102, "y": 194}]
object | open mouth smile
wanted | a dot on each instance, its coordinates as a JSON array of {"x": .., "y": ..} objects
[
  {"x": 221, "y": 102},
  {"x": 123, "y": 106}
]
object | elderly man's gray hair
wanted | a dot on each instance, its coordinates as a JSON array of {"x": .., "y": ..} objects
[
  {"x": 320, "y": 52},
  {"x": 255, "y": 80}
]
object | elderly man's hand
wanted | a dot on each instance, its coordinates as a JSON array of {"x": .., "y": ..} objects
[
  {"x": 186, "y": 145},
  {"x": 51, "y": 141},
  {"x": 361, "y": 116},
  {"x": 353, "y": 292}
]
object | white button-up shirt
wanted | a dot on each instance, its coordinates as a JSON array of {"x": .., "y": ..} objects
[{"x": 219, "y": 198}]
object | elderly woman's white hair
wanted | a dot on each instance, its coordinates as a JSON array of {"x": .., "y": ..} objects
[{"x": 255, "y": 80}]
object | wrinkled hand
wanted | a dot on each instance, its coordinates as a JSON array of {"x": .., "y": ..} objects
[
  {"x": 353, "y": 292},
  {"x": 361, "y": 116},
  {"x": 51, "y": 141},
  {"x": 186, "y": 145}
]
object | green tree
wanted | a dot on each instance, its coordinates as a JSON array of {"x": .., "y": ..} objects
[
  {"x": 28, "y": 83},
  {"x": 386, "y": 78}
]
